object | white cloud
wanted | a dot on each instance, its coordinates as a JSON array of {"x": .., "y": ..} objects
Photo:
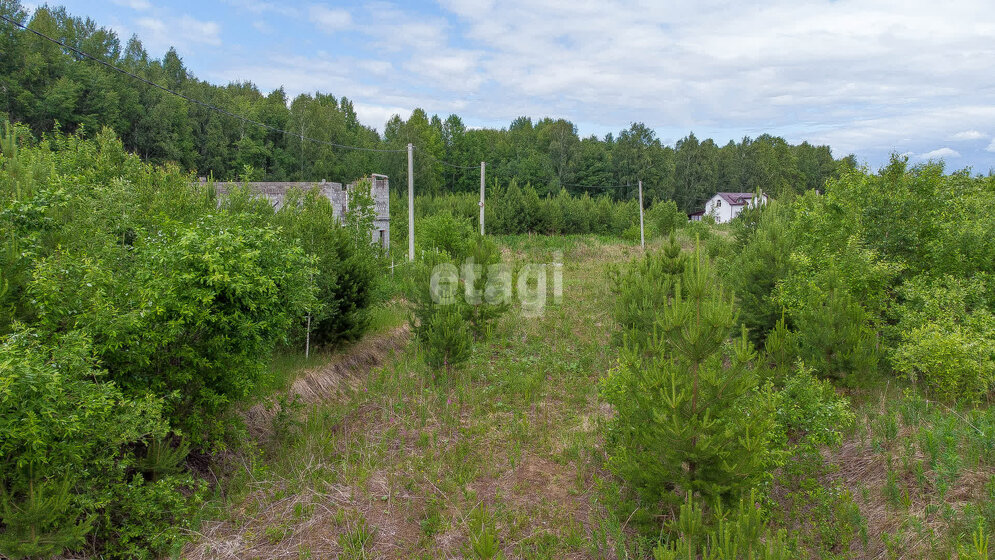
[
  {"x": 262, "y": 7},
  {"x": 160, "y": 33},
  {"x": 941, "y": 153},
  {"x": 139, "y": 5},
  {"x": 377, "y": 115},
  {"x": 328, "y": 19},
  {"x": 868, "y": 77},
  {"x": 991, "y": 146},
  {"x": 968, "y": 135}
]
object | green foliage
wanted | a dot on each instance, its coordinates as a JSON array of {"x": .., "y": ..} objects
[
  {"x": 762, "y": 260},
  {"x": 484, "y": 543},
  {"x": 446, "y": 337},
  {"x": 810, "y": 413},
  {"x": 952, "y": 363},
  {"x": 196, "y": 336},
  {"x": 664, "y": 217},
  {"x": 445, "y": 232},
  {"x": 161, "y": 459},
  {"x": 740, "y": 533},
  {"x": 689, "y": 417},
  {"x": 831, "y": 331},
  {"x": 178, "y": 296},
  {"x": 346, "y": 272},
  {"x": 978, "y": 549},
  {"x": 42, "y": 524},
  {"x": 945, "y": 337},
  {"x": 641, "y": 290},
  {"x": 67, "y": 450}
]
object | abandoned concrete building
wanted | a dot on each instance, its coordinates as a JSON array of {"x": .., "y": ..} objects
[{"x": 337, "y": 194}]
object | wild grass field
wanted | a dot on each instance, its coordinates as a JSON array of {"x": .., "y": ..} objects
[
  {"x": 383, "y": 457},
  {"x": 399, "y": 462}
]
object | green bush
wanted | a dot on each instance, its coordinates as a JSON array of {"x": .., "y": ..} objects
[
  {"x": 953, "y": 363},
  {"x": 831, "y": 332},
  {"x": 760, "y": 263},
  {"x": 945, "y": 336},
  {"x": 449, "y": 315},
  {"x": 197, "y": 336},
  {"x": 664, "y": 217},
  {"x": 445, "y": 232},
  {"x": 179, "y": 295},
  {"x": 744, "y": 533},
  {"x": 68, "y": 442},
  {"x": 809, "y": 412},
  {"x": 346, "y": 272},
  {"x": 688, "y": 414},
  {"x": 641, "y": 290},
  {"x": 438, "y": 312}
]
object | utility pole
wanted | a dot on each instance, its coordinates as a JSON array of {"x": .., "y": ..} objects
[
  {"x": 411, "y": 203},
  {"x": 483, "y": 166},
  {"x": 642, "y": 232}
]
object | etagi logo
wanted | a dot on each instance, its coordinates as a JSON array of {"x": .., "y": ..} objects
[{"x": 496, "y": 284}]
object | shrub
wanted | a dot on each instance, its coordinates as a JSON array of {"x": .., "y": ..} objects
[
  {"x": 954, "y": 363},
  {"x": 689, "y": 418},
  {"x": 945, "y": 336},
  {"x": 809, "y": 412},
  {"x": 743, "y": 534},
  {"x": 346, "y": 274},
  {"x": 198, "y": 336},
  {"x": 438, "y": 312},
  {"x": 67, "y": 458},
  {"x": 447, "y": 233},
  {"x": 664, "y": 217},
  {"x": 448, "y": 315},
  {"x": 830, "y": 331},
  {"x": 760, "y": 263},
  {"x": 641, "y": 291}
]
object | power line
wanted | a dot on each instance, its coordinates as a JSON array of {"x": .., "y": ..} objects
[
  {"x": 453, "y": 165},
  {"x": 627, "y": 185},
  {"x": 189, "y": 99}
]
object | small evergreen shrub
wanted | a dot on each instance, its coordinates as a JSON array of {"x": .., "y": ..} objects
[{"x": 688, "y": 414}]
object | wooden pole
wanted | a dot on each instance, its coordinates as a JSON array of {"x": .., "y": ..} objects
[
  {"x": 483, "y": 167},
  {"x": 411, "y": 204},
  {"x": 642, "y": 232}
]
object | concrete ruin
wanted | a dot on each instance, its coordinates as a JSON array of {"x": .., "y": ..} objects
[{"x": 337, "y": 194}]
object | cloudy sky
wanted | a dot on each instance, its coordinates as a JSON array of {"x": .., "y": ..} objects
[{"x": 867, "y": 77}]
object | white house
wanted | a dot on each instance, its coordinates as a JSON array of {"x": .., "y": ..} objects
[{"x": 725, "y": 206}]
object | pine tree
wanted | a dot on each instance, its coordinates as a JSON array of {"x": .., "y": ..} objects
[
  {"x": 642, "y": 289},
  {"x": 446, "y": 336},
  {"x": 689, "y": 419},
  {"x": 41, "y": 524}
]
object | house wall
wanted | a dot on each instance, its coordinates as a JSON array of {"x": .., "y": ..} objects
[
  {"x": 725, "y": 212},
  {"x": 721, "y": 210}
]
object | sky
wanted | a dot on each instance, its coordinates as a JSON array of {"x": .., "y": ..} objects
[{"x": 868, "y": 77}]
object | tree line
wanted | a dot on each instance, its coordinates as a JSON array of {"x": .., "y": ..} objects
[{"x": 48, "y": 87}]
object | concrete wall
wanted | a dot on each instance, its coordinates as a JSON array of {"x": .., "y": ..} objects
[{"x": 337, "y": 195}]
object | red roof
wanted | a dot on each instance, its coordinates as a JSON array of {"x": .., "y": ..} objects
[{"x": 736, "y": 198}]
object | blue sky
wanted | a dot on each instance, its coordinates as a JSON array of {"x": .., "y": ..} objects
[{"x": 867, "y": 77}]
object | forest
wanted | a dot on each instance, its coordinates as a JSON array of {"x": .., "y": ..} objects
[
  {"x": 189, "y": 374},
  {"x": 47, "y": 87}
]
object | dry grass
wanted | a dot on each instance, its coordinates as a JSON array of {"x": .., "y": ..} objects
[{"x": 386, "y": 444}]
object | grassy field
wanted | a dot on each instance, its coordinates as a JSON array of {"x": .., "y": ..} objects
[
  {"x": 385, "y": 458},
  {"x": 402, "y": 463}
]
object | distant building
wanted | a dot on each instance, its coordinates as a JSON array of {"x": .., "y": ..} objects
[
  {"x": 336, "y": 194},
  {"x": 725, "y": 206}
]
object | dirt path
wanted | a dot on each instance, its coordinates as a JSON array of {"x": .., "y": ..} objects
[{"x": 395, "y": 460}]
